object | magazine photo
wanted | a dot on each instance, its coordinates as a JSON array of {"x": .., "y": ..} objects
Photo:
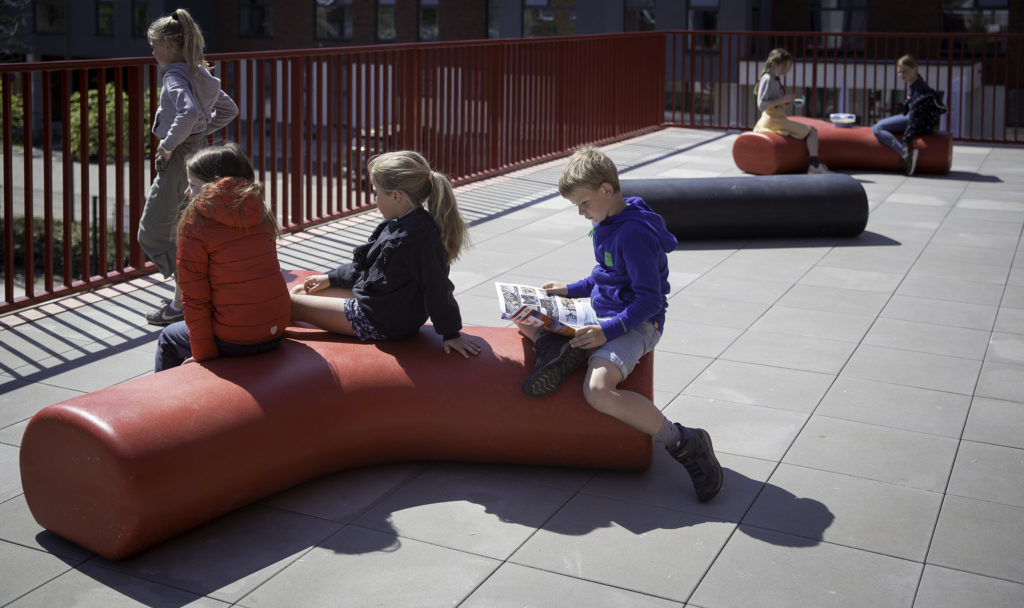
[{"x": 532, "y": 306}]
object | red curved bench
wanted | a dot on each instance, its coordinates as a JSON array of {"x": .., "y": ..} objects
[
  {"x": 126, "y": 467},
  {"x": 839, "y": 148}
]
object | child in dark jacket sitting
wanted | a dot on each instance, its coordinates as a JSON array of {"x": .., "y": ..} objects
[
  {"x": 920, "y": 115},
  {"x": 400, "y": 277}
]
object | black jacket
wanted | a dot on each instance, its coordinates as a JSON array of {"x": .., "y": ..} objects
[
  {"x": 923, "y": 109},
  {"x": 400, "y": 277}
]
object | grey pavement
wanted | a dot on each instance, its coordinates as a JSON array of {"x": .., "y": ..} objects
[{"x": 865, "y": 395}]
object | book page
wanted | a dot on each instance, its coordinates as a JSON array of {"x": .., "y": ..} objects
[{"x": 533, "y": 306}]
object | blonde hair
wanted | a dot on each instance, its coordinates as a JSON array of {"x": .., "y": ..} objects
[
  {"x": 588, "y": 168},
  {"x": 180, "y": 29},
  {"x": 776, "y": 57},
  {"x": 408, "y": 172},
  {"x": 216, "y": 163},
  {"x": 907, "y": 61}
]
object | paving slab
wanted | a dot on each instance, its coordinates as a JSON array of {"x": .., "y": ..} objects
[{"x": 863, "y": 393}]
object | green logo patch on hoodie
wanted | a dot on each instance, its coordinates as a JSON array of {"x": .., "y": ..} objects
[{"x": 608, "y": 259}]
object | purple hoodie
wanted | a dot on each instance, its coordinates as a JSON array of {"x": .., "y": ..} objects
[
  {"x": 630, "y": 281},
  {"x": 190, "y": 103}
]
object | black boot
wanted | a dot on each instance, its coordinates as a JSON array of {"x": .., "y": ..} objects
[
  {"x": 555, "y": 361},
  {"x": 698, "y": 456}
]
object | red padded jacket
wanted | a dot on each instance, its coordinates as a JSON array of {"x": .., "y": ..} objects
[{"x": 231, "y": 281}]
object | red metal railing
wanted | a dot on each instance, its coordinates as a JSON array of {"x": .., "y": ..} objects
[{"x": 310, "y": 120}]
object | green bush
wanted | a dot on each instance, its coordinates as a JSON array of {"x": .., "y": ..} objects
[
  {"x": 17, "y": 114},
  {"x": 39, "y": 248},
  {"x": 110, "y": 115}
]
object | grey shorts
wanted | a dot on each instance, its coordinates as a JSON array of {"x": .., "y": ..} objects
[{"x": 627, "y": 349}]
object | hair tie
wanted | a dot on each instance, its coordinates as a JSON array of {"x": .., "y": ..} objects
[
  {"x": 174, "y": 15},
  {"x": 431, "y": 174}
]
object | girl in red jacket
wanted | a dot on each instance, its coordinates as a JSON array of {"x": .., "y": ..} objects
[{"x": 234, "y": 295}]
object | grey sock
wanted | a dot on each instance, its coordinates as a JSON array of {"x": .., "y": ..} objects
[{"x": 668, "y": 435}]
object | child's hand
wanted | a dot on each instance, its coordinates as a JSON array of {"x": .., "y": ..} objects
[
  {"x": 555, "y": 289},
  {"x": 462, "y": 345},
  {"x": 163, "y": 153},
  {"x": 312, "y": 284},
  {"x": 588, "y": 337}
]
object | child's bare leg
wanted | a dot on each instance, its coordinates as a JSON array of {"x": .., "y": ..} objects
[
  {"x": 325, "y": 310},
  {"x": 691, "y": 447},
  {"x": 812, "y": 151},
  {"x": 602, "y": 393},
  {"x": 812, "y": 143}
]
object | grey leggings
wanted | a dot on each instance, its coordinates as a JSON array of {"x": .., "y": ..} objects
[{"x": 158, "y": 225}]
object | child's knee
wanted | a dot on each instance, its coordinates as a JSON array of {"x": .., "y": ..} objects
[
  {"x": 603, "y": 377},
  {"x": 599, "y": 397}
]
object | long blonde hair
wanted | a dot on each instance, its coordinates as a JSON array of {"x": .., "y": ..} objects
[
  {"x": 407, "y": 171},
  {"x": 776, "y": 57},
  {"x": 181, "y": 29}
]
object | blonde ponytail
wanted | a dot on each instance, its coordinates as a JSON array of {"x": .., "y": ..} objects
[
  {"x": 444, "y": 209},
  {"x": 180, "y": 28},
  {"x": 407, "y": 171}
]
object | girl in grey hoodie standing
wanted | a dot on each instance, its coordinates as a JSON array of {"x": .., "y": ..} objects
[{"x": 192, "y": 105}]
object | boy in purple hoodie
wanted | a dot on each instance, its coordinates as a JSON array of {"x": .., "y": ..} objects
[{"x": 627, "y": 289}]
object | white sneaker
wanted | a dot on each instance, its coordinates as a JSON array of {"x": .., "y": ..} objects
[
  {"x": 910, "y": 161},
  {"x": 817, "y": 169}
]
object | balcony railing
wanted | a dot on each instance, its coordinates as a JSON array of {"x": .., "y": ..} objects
[
  {"x": 712, "y": 78},
  {"x": 76, "y": 155}
]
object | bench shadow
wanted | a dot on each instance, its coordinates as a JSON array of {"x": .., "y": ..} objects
[
  {"x": 864, "y": 239},
  {"x": 804, "y": 520},
  {"x": 228, "y": 557},
  {"x": 969, "y": 176}
]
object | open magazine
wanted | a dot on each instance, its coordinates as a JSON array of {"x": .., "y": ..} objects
[{"x": 532, "y": 306}]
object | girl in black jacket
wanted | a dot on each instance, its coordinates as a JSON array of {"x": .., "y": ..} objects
[
  {"x": 400, "y": 277},
  {"x": 920, "y": 115}
]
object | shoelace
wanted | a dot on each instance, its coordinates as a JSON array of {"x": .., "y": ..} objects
[{"x": 692, "y": 466}]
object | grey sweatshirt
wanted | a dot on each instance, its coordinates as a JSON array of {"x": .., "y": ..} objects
[{"x": 190, "y": 103}]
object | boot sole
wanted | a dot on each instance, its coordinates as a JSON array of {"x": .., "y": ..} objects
[{"x": 550, "y": 378}]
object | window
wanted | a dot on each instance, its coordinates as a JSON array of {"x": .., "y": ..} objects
[
  {"x": 104, "y": 17},
  {"x": 493, "y": 20},
  {"x": 49, "y": 17},
  {"x": 549, "y": 18},
  {"x": 703, "y": 15},
  {"x": 385, "y": 20},
  {"x": 333, "y": 19},
  {"x": 254, "y": 19},
  {"x": 639, "y": 15},
  {"x": 839, "y": 15},
  {"x": 428, "y": 20},
  {"x": 975, "y": 16},
  {"x": 140, "y": 18}
]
